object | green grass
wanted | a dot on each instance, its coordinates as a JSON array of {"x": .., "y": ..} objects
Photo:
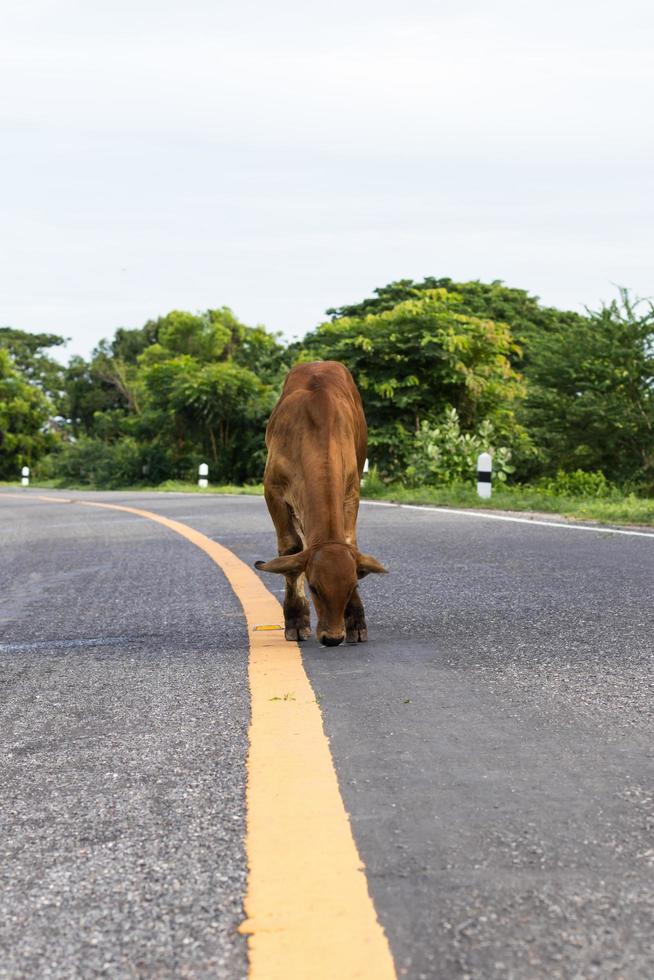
[
  {"x": 615, "y": 509},
  {"x": 169, "y": 486},
  {"x": 254, "y": 490}
]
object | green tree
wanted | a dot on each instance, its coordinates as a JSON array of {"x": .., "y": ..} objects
[
  {"x": 216, "y": 335},
  {"x": 127, "y": 343},
  {"x": 591, "y": 398},
  {"x": 261, "y": 352},
  {"x": 27, "y": 351},
  {"x": 24, "y": 411},
  {"x": 186, "y": 387},
  {"x": 419, "y": 358},
  {"x": 527, "y": 318},
  {"x": 205, "y": 337},
  {"x": 93, "y": 389},
  {"x": 217, "y": 410}
]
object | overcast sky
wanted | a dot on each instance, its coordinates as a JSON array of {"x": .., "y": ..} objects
[{"x": 283, "y": 157}]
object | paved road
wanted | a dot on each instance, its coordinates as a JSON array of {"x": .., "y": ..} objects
[{"x": 493, "y": 742}]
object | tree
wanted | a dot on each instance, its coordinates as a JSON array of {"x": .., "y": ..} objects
[
  {"x": 216, "y": 410},
  {"x": 27, "y": 352},
  {"x": 527, "y": 319},
  {"x": 24, "y": 411},
  {"x": 185, "y": 387},
  {"x": 217, "y": 335},
  {"x": 418, "y": 358},
  {"x": 94, "y": 389},
  {"x": 591, "y": 399}
]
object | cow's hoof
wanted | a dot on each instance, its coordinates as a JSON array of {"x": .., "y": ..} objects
[
  {"x": 295, "y": 634},
  {"x": 356, "y": 636}
]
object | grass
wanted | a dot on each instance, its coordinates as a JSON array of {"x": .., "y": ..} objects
[
  {"x": 614, "y": 509},
  {"x": 168, "y": 486},
  {"x": 253, "y": 490}
]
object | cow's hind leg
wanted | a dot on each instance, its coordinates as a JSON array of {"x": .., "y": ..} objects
[
  {"x": 356, "y": 630},
  {"x": 297, "y": 624}
]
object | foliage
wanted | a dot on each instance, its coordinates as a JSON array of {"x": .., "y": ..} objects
[
  {"x": 216, "y": 409},
  {"x": 215, "y": 335},
  {"x": 94, "y": 462},
  {"x": 27, "y": 352},
  {"x": 590, "y": 403},
  {"x": 184, "y": 388},
  {"x": 415, "y": 360},
  {"x": 89, "y": 394},
  {"x": 589, "y": 379},
  {"x": 565, "y": 400},
  {"x": 579, "y": 483},
  {"x": 24, "y": 411},
  {"x": 443, "y": 453},
  {"x": 527, "y": 319}
]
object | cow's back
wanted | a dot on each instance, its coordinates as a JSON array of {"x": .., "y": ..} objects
[{"x": 320, "y": 406}]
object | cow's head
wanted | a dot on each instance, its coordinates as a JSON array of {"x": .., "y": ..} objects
[{"x": 332, "y": 571}]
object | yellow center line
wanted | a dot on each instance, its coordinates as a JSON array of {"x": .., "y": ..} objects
[{"x": 309, "y": 912}]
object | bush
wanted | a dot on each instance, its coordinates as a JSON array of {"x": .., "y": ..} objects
[
  {"x": 417, "y": 360},
  {"x": 372, "y": 483},
  {"x": 96, "y": 463},
  {"x": 579, "y": 483},
  {"x": 442, "y": 453}
]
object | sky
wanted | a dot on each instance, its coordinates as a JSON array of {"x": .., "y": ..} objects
[{"x": 281, "y": 158}]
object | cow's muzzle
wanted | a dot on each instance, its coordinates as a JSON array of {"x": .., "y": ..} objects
[{"x": 329, "y": 640}]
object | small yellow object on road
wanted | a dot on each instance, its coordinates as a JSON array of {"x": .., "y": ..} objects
[{"x": 268, "y": 627}]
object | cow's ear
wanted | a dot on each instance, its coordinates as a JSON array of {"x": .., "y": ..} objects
[
  {"x": 367, "y": 564},
  {"x": 284, "y": 565}
]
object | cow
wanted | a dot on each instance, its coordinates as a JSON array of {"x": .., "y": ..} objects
[{"x": 317, "y": 443}]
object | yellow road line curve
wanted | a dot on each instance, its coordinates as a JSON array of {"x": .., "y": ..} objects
[{"x": 309, "y": 912}]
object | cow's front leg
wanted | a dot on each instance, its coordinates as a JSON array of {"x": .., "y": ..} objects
[
  {"x": 356, "y": 630},
  {"x": 297, "y": 624}
]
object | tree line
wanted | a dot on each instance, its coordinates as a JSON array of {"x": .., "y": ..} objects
[{"x": 445, "y": 370}]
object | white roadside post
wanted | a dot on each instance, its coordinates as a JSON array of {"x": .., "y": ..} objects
[
  {"x": 25, "y": 476},
  {"x": 365, "y": 470},
  {"x": 203, "y": 473},
  {"x": 484, "y": 470}
]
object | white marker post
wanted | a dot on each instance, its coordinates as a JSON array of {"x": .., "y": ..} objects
[
  {"x": 25, "y": 476},
  {"x": 203, "y": 473},
  {"x": 484, "y": 471},
  {"x": 365, "y": 470}
]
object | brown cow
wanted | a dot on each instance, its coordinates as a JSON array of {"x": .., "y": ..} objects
[{"x": 317, "y": 439}]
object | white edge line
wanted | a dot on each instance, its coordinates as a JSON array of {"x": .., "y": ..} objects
[{"x": 596, "y": 528}]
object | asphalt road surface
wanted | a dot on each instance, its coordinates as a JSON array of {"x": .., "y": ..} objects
[{"x": 493, "y": 742}]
